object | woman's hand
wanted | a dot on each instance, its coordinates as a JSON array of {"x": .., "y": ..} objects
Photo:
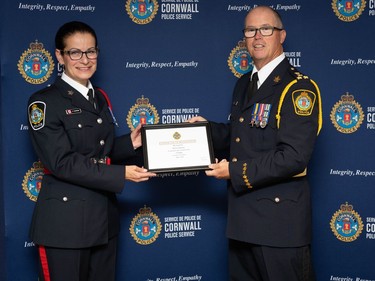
[
  {"x": 136, "y": 174},
  {"x": 136, "y": 137}
]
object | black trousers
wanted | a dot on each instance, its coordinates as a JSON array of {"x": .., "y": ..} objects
[
  {"x": 88, "y": 264},
  {"x": 250, "y": 262}
]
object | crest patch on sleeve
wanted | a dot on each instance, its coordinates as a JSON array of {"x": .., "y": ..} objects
[
  {"x": 37, "y": 111},
  {"x": 303, "y": 101}
]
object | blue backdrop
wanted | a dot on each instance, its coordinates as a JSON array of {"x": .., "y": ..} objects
[{"x": 184, "y": 57}]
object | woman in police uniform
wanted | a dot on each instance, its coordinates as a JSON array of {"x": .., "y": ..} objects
[{"x": 76, "y": 222}]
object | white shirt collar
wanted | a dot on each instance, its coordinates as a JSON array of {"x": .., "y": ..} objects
[
  {"x": 266, "y": 70},
  {"x": 79, "y": 87}
]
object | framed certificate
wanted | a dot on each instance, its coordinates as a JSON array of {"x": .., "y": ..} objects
[{"x": 177, "y": 147}]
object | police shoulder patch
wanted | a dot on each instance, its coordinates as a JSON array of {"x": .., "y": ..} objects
[
  {"x": 303, "y": 101},
  {"x": 37, "y": 112}
]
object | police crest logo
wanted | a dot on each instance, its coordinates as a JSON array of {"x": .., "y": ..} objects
[
  {"x": 303, "y": 101},
  {"x": 347, "y": 115},
  {"x": 346, "y": 224},
  {"x": 32, "y": 181},
  {"x": 348, "y": 10},
  {"x": 141, "y": 11},
  {"x": 36, "y": 115},
  {"x": 239, "y": 60},
  {"x": 145, "y": 226},
  {"x": 142, "y": 113},
  {"x": 36, "y": 64}
]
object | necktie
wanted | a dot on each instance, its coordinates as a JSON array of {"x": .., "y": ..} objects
[
  {"x": 90, "y": 94},
  {"x": 253, "y": 86}
]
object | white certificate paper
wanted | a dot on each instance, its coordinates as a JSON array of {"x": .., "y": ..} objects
[{"x": 177, "y": 147}]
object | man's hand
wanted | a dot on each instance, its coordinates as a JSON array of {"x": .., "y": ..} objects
[{"x": 196, "y": 119}]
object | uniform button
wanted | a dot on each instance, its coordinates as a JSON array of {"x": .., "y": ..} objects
[
  {"x": 102, "y": 142},
  {"x": 234, "y": 159},
  {"x": 65, "y": 199},
  {"x": 238, "y": 139},
  {"x": 99, "y": 120},
  {"x": 277, "y": 199},
  {"x": 241, "y": 119},
  {"x": 79, "y": 125}
]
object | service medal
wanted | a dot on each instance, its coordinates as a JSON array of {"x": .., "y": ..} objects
[{"x": 260, "y": 114}]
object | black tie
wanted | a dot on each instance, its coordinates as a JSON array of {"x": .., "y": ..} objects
[
  {"x": 90, "y": 94},
  {"x": 253, "y": 86}
]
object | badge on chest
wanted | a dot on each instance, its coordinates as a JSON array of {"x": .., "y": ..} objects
[{"x": 260, "y": 114}]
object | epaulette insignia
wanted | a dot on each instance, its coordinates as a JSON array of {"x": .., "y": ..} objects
[
  {"x": 300, "y": 76},
  {"x": 37, "y": 111},
  {"x": 303, "y": 101}
]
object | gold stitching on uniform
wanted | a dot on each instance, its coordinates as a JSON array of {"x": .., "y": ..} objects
[{"x": 244, "y": 176}]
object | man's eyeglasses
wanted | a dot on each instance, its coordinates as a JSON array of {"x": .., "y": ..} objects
[
  {"x": 76, "y": 54},
  {"x": 250, "y": 32}
]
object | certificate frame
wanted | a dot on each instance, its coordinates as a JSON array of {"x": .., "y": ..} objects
[{"x": 177, "y": 147}]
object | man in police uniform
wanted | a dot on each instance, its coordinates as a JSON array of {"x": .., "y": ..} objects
[
  {"x": 76, "y": 221},
  {"x": 271, "y": 136}
]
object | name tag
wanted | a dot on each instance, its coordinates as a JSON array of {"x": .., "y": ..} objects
[{"x": 73, "y": 111}]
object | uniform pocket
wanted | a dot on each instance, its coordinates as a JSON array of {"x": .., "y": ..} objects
[
  {"x": 279, "y": 195},
  {"x": 80, "y": 131},
  {"x": 76, "y": 122}
]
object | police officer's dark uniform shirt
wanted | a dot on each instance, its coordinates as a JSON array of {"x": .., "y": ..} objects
[
  {"x": 271, "y": 137},
  {"x": 76, "y": 206}
]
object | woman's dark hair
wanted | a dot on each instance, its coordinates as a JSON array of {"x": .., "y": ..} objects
[{"x": 71, "y": 28}]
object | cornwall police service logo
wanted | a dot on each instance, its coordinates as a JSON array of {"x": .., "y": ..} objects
[
  {"x": 36, "y": 115},
  {"x": 347, "y": 115},
  {"x": 145, "y": 227},
  {"x": 32, "y": 181},
  {"x": 348, "y": 10},
  {"x": 303, "y": 101},
  {"x": 142, "y": 11},
  {"x": 346, "y": 223},
  {"x": 142, "y": 113},
  {"x": 36, "y": 64},
  {"x": 239, "y": 60}
]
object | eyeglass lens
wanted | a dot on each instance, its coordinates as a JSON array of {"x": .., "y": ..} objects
[
  {"x": 76, "y": 54},
  {"x": 264, "y": 31}
]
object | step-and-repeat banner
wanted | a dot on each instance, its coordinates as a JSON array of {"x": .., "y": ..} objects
[{"x": 169, "y": 60}]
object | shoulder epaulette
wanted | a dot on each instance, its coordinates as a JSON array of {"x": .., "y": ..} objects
[
  {"x": 298, "y": 75},
  {"x": 43, "y": 90}
]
